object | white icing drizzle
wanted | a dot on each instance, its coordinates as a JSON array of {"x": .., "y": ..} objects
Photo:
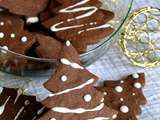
[
  {"x": 90, "y": 81},
  {"x": 26, "y": 103},
  {"x": 2, "y": 108},
  {"x": 71, "y": 9},
  {"x": 19, "y": 93},
  {"x": 32, "y": 19},
  {"x": 55, "y": 29},
  {"x": 6, "y": 48},
  {"x": 40, "y": 111},
  {"x": 34, "y": 118},
  {"x": 74, "y": 65},
  {"x": 95, "y": 28},
  {"x": 99, "y": 118},
  {"x": 89, "y": 10},
  {"x": 19, "y": 112},
  {"x": 78, "y": 110},
  {"x": 1, "y": 90}
]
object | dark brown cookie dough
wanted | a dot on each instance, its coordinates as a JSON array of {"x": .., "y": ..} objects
[
  {"x": 81, "y": 22},
  {"x": 73, "y": 96},
  {"x": 16, "y": 106},
  {"x": 28, "y": 8},
  {"x": 125, "y": 96}
]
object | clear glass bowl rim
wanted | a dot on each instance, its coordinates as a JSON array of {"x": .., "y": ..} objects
[{"x": 82, "y": 55}]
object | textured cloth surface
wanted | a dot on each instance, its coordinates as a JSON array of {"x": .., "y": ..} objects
[{"x": 112, "y": 66}]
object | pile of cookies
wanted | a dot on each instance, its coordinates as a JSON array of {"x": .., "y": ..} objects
[
  {"x": 73, "y": 95},
  {"x": 39, "y": 28},
  {"x": 60, "y": 29}
]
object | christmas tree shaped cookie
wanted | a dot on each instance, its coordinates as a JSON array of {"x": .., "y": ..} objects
[
  {"x": 16, "y": 106},
  {"x": 125, "y": 96},
  {"x": 82, "y": 22},
  {"x": 13, "y": 36},
  {"x": 73, "y": 96}
]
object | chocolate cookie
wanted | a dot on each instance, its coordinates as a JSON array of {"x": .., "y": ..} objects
[
  {"x": 16, "y": 106},
  {"x": 49, "y": 11},
  {"x": 81, "y": 22},
  {"x": 125, "y": 96},
  {"x": 73, "y": 96},
  {"x": 48, "y": 47},
  {"x": 13, "y": 36},
  {"x": 30, "y": 8}
]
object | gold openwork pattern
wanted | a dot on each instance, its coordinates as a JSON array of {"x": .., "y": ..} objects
[{"x": 140, "y": 38}]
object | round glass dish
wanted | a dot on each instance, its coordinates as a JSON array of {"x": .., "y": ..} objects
[{"x": 14, "y": 63}]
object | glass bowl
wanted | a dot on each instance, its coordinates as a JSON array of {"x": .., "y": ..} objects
[{"x": 14, "y": 63}]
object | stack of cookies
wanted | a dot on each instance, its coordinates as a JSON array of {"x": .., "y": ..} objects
[
  {"x": 38, "y": 28},
  {"x": 61, "y": 29},
  {"x": 72, "y": 95}
]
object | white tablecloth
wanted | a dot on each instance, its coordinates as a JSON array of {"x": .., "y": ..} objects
[{"x": 113, "y": 65}]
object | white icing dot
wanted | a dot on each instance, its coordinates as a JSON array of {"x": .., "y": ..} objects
[
  {"x": 137, "y": 85},
  {"x": 68, "y": 43},
  {"x": 53, "y": 119},
  {"x": 105, "y": 93},
  {"x": 114, "y": 116},
  {"x": 119, "y": 89},
  {"x": 124, "y": 109},
  {"x": 122, "y": 81},
  {"x": 1, "y": 34},
  {"x": 121, "y": 99},
  {"x": 136, "y": 76},
  {"x": 69, "y": 20},
  {"x": 4, "y": 47},
  {"x": 65, "y": 61},
  {"x": 24, "y": 39},
  {"x": 133, "y": 94},
  {"x": 87, "y": 98},
  {"x": 91, "y": 23},
  {"x": 32, "y": 20},
  {"x": 102, "y": 100},
  {"x": 27, "y": 102},
  {"x": 12, "y": 35},
  {"x": 1, "y": 23},
  {"x": 64, "y": 78}
]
